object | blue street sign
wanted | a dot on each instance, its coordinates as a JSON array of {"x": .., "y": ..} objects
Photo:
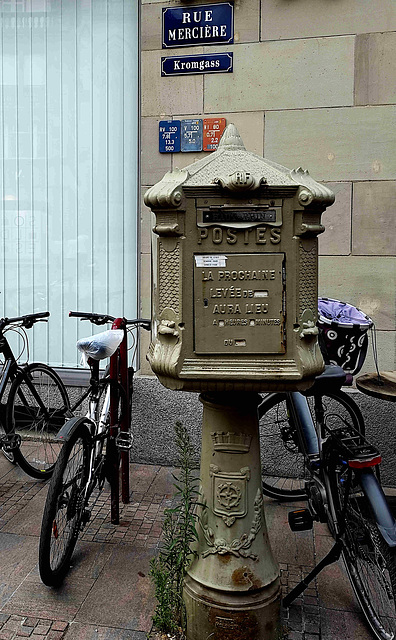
[
  {"x": 191, "y": 135},
  {"x": 204, "y": 63},
  {"x": 169, "y": 136},
  {"x": 203, "y": 24}
]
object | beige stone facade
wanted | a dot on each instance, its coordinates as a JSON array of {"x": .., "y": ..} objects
[{"x": 314, "y": 85}]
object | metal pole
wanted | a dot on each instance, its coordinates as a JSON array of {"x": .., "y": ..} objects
[
  {"x": 125, "y": 424},
  {"x": 113, "y": 454}
]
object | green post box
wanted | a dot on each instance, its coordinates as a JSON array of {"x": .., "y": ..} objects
[
  {"x": 234, "y": 311},
  {"x": 235, "y": 291}
]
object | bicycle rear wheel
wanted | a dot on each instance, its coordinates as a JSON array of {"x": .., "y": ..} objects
[
  {"x": 64, "y": 507},
  {"x": 283, "y": 467},
  {"x": 37, "y": 407},
  {"x": 369, "y": 561}
]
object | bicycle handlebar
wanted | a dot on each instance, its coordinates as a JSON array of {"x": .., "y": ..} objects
[
  {"x": 27, "y": 320},
  {"x": 95, "y": 318},
  {"x": 102, "y": 318}
]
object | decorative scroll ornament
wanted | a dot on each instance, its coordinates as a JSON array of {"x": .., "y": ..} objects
[
  {"x": 308, "y": 324},
  {"x": 167, "y": 192},
  {"x": 168, "y": 328},
  {"x": 239, "y": 547},
  {"x": 168, "y": 230},
  {"x": 164, "y": 354},
  {"x": 314, "y": 192}
]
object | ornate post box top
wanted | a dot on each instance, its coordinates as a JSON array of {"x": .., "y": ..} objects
[{"x": 236, "y": 170}]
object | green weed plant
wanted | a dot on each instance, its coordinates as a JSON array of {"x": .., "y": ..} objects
[{"x": 168, "y": 568}]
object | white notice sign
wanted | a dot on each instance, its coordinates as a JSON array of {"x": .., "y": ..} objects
[{"x": 211, "y": 261}]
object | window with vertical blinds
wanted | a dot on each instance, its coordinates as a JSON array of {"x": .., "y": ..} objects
[{"x": 68, "y": 165}]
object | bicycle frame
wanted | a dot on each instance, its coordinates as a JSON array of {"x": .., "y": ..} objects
[
  {"x": 11, "y": 367},
  {"x": 9, "y": 372}
]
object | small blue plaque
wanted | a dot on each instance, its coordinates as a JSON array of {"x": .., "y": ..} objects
[
  {"x": 203, "y": 63},
  {"x": 169, "y": 136},
  {"x": 191, "y": 135},
  {"x": 203, "y": 24}
]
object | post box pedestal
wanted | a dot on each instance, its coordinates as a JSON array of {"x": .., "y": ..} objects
[{"x": 232, "y": 590}]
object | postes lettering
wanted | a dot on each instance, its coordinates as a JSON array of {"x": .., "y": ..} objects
[{"x": 257, "y": 235}]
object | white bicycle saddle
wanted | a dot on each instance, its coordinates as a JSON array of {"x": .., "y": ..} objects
[{"x": 102, "y": 345}]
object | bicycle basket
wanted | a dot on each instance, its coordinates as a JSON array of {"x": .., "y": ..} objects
[{"x": 343, "y": 334}]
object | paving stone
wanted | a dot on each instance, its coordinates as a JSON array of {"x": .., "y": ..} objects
[
  {"x": 42, "y": 629},
  {"x": 294, "y": 635},
  {"x": 32, "y": 597},
  {"x": 53, "y": 635},
  {"x": 131, "y": 604},
  {"x": 25, "y": 631},
  {"x": 58, "y": 625},
  {"x": 78, "y": 631},
  {"x": 346, "y": 626}
]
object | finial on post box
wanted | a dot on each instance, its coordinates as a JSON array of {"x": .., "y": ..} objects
[{"x": 231, "y": 138}]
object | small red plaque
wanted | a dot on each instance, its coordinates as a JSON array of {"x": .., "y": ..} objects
[{"x": 212, "y": 132}]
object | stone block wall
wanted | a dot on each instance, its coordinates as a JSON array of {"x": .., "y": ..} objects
[{"x": 314, "y": 85}]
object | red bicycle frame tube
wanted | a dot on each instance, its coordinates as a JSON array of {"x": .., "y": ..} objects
[{"x": 119, "y": 373}]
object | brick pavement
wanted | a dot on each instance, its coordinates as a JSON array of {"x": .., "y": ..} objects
[{"x": 107, "y": 594}]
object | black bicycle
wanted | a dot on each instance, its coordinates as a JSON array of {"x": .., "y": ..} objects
[
  {"x": 33, "y": 407},
  {"x": 89, "y": 453},
  {"x": 319, "y": 436}
]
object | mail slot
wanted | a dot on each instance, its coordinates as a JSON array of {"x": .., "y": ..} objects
[{"x": 235, "y": 273}]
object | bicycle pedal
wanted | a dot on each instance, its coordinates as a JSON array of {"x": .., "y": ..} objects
[
  {"x": 300, "y": 520},
  {"x": 124, "y": 441}
]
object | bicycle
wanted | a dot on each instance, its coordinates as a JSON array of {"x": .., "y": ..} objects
[
  {"x": 321, "y": 433},
  {"x": 36, "y": 404},
  {"x": 281, "y": 438},
  {"x": 85, "y": 460}
]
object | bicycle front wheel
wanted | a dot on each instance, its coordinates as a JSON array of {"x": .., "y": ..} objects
[
  {"x": 283, "y": 467},
  {"x": 369, "y": 561},
  {"x": 64, "y": 508},
  {"x": 37, "y": 406}
]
